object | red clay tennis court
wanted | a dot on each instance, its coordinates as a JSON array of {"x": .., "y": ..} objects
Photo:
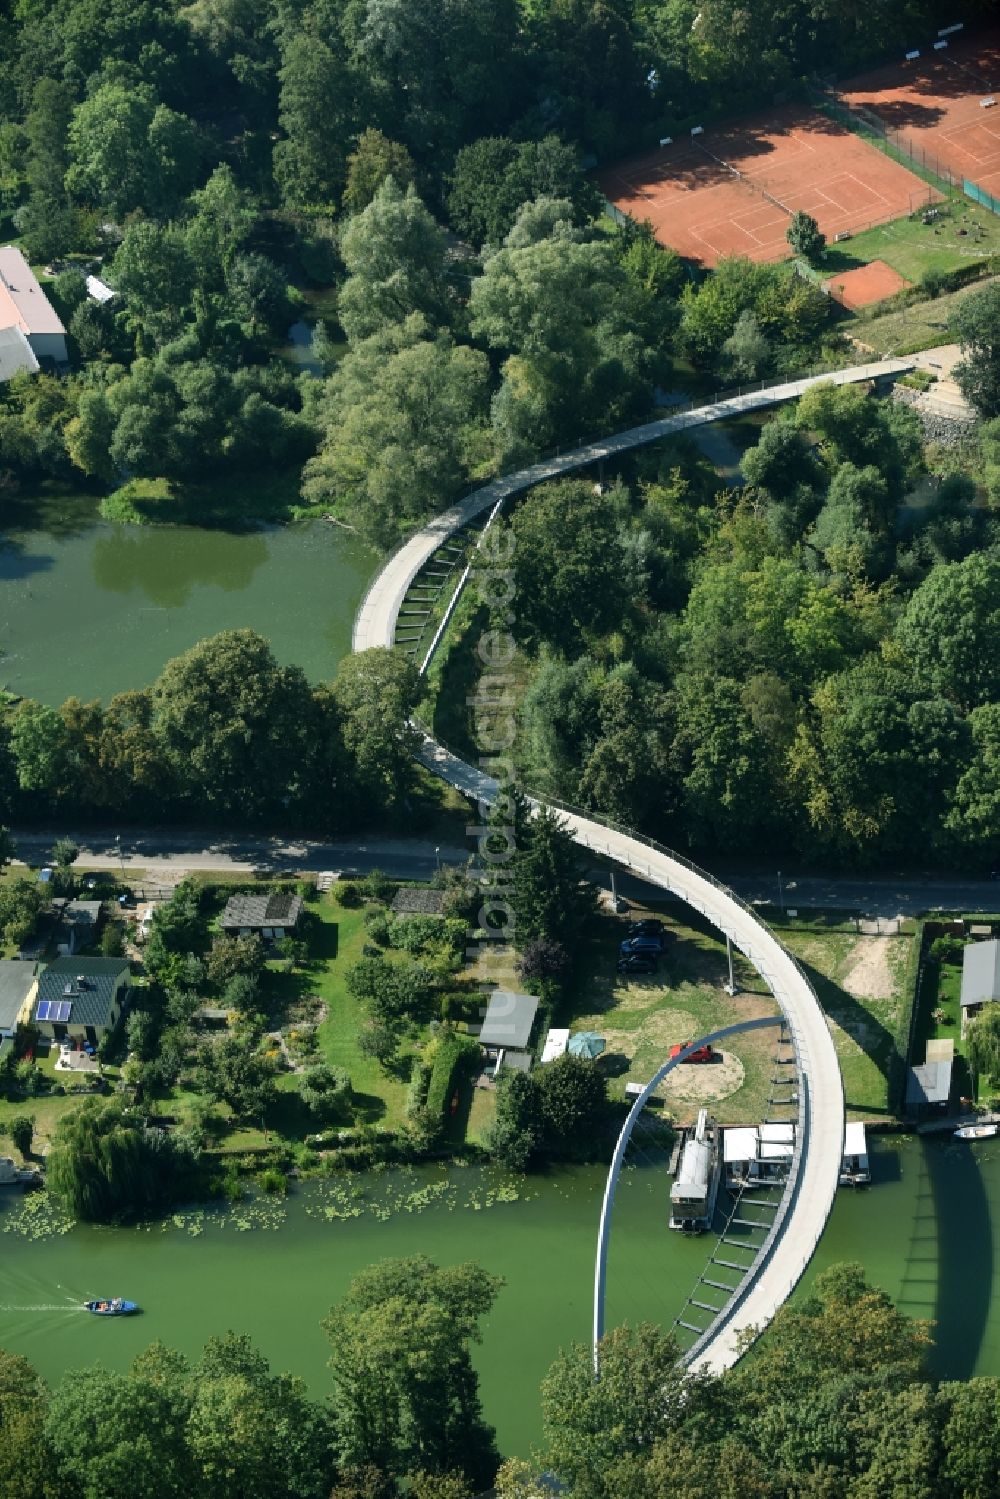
[
  {"x": 865, "y": 285},
  {"x": 937, "y": 104},
  {"x": 732, "y": 190}
]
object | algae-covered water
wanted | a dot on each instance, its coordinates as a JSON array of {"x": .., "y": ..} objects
[
  {"x": 924, "y": 1230},
  {"x": 89, "y": 609},
  {"x": 274, "y": 1267}
]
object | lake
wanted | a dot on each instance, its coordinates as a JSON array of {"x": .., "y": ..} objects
[
  {"x": 924, "y": 1231},
  {"x": 88, "y": 608}
]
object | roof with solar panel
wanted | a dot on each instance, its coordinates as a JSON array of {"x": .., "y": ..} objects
[{"x": 79, "y": 991}]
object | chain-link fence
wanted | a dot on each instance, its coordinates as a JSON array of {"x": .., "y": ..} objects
[{"x": 980, "y": 195}]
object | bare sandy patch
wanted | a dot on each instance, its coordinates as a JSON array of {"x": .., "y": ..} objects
[
  {"x": 692, "y": 1082},
  {"x": 705, "y": 1082},
  {"x": 869, "y": 975}
]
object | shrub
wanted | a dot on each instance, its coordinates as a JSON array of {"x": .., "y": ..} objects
[
  {"x": 947, "y": 949},
  {"x": 232, "y": 1186},
  {"x": 452, "y": 1054},
  {"x": 140, "y": 502},
  {"x": 378, "y": 886},
  {"x": 416, "y": 1093},
  {"x": 933, "y": 281},
  {"x": 112, "y": 940},
  {"x": 273, "y": 1182},
  {"x": 349, "y": 896},
  {"x": 380, "y": 927},
  {"x": 416, "y": 933}
]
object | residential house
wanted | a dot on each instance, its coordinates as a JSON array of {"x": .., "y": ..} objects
[
  {"x": 78, "y": 924},
  {"x": 980, "y": 978},
  {"x": 25, "y": 306},
  {"x": 271, "y": 916},
  {"x": 417, "y": 900},
  {"x": 506, "y": 1030},
  {"x": 81, "y": 999},
  {"x": 18, "y": 989}
]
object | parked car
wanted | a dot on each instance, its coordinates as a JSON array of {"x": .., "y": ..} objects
[
  {"x": 703, "y": 1054},
  {"x": 637, "y": 963},
  {"x": 648, "y": 927},
  {"x": 650, "y": 946}
]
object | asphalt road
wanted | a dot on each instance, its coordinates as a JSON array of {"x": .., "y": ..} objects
[{"x": 169, "y": 853}]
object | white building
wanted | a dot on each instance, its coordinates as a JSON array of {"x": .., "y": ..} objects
[{"x": 23, "y": 305}]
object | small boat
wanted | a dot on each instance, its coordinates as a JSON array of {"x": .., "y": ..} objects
[
  {"x": 112, "y": 1307},
  {"x": 977, "y": 1131}
]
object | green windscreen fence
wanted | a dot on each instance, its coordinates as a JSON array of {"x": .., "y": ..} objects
[{"x": 980, "y": 195}]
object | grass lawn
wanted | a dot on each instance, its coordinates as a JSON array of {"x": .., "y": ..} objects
[
  {"x": 47, "y": 1111},
  {"x": 335, "y": 944},
  {"x": 907, "y": 330},
  {"x": 859, "y": 980},
  {"x": 642, "y": 1017},
  {"x": 941, "y": 992},
  {"x": 961, "y": 232}
]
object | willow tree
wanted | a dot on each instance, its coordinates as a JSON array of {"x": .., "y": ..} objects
[{"x": 105, "y": 1164}]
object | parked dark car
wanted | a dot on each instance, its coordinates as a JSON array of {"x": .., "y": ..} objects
[
  {"x": 650, "y": 946},
  {"x": 637, "y": 962},
  {"x": 649, "y": 927}
]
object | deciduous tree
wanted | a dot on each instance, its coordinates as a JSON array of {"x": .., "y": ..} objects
[{"x": 405, "y": 1392}]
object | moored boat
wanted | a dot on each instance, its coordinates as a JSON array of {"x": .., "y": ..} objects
[
  {"x": 692, "y": 1197},
  {"x": 112, "y": 1306},
  {"x": 977, "y": 1131}
]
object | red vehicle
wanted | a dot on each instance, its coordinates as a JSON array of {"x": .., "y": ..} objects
[{"x": 703, "y": 1054}]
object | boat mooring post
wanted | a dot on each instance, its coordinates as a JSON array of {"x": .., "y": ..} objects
[{"x": 621, "y": 1145}]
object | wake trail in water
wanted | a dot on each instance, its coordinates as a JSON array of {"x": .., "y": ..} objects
[{"x": 45, "y": 1306}]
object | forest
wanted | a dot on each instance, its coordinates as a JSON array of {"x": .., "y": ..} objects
[
  {"x": 224, "y": 165},
  {"x": 227, "y": 734},
  {"x": 805, "y": 661}
]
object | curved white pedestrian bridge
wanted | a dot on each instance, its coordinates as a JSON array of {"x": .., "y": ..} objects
[{"x": 815, "y": 1167}]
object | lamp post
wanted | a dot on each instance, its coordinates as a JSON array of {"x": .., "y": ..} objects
[
  {"x": 781, "y": 896},
  {"x": 121, "y": 856},
  {"x": 731, "y": 986},
  {"x": 437, "y": 857}
]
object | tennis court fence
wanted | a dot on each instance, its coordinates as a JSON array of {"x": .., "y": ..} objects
[
  {"x": 980, "y": 195},
  {"x": 867, "y": 123}
]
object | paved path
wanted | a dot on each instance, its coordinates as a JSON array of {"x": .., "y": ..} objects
[{"x": 815, "y": 1170}]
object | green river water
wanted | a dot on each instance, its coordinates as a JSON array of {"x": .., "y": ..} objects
[
  {"x": 90, "y": 608},
  {"x": 924, "y": 1231}
]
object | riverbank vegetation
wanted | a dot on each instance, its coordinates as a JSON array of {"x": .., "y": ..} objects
[{"x": 224, "y": 734}]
